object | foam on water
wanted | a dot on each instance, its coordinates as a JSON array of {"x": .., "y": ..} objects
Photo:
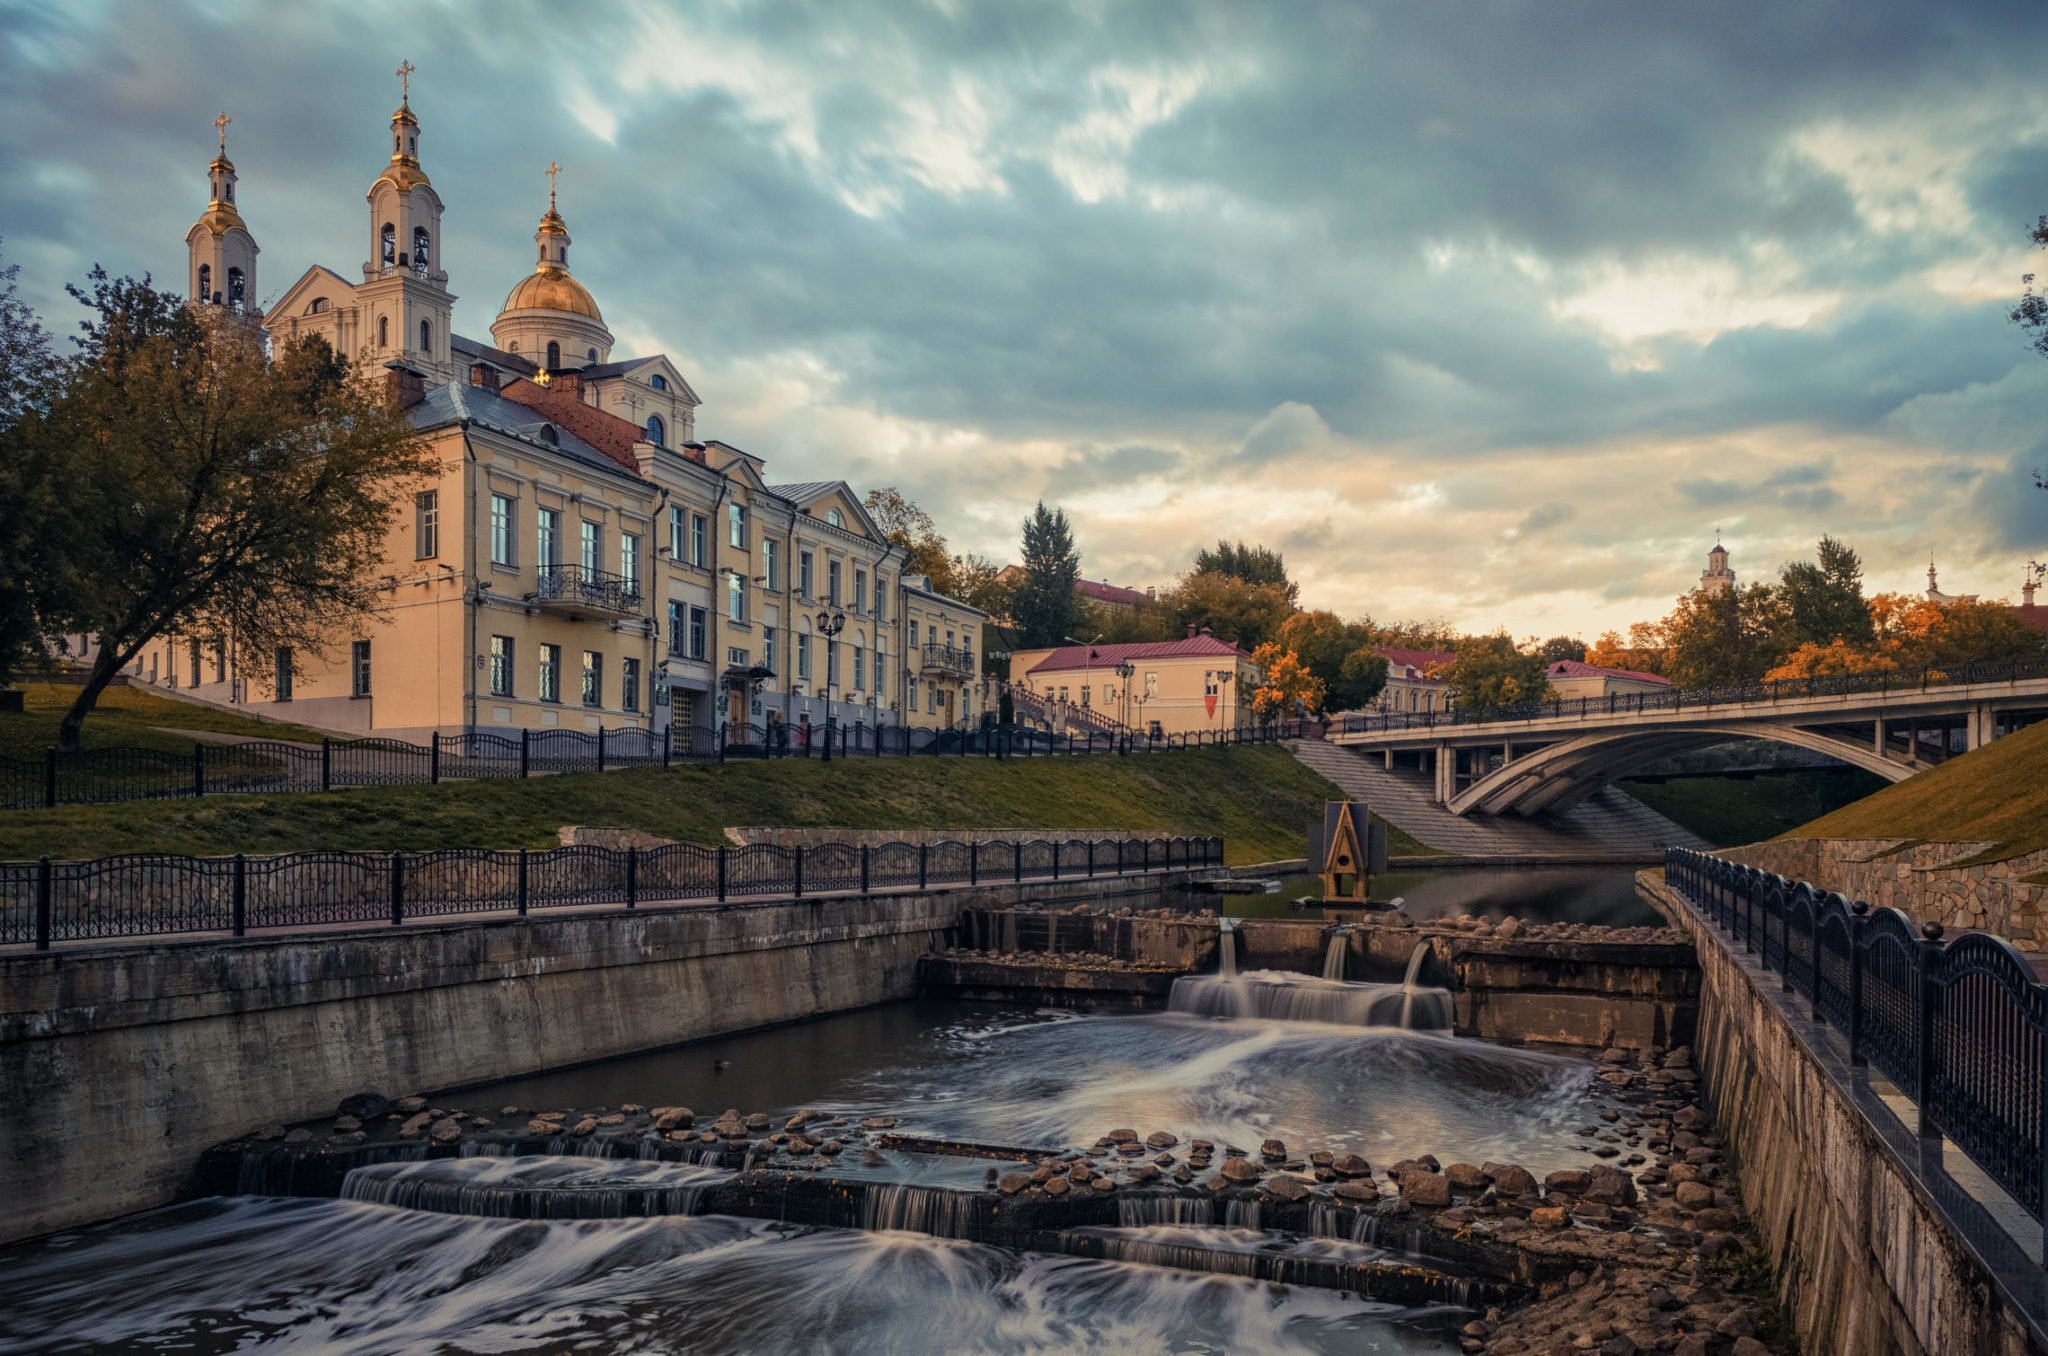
[
  {"x": 355, "y": 1279},
  {"x": 536, "y": 1187}
]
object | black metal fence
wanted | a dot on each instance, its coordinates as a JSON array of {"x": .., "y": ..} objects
[
  {"x": 1676, "y": 698},
  {"x": 1961, "y": 1027},
  {"x": 44, "y": 901},
  {"x": 101, "y": 776}
]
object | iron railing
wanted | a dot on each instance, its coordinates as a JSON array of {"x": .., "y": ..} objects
[
  {"x": 1675, "y": 699},
  {"x": 262, "y": 767},
  {"x": 588, "y": 586},
  {"x": 940, "y": 658},
  {"x": 1961, "y": 1027},
  {"x": 44, "y": 901}
]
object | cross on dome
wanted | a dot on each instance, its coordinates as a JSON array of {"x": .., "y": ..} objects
[
  {"x": 220, "y": 125},
  {"x": 404, "y": 74},
  {"x": 551, "y": 171}
]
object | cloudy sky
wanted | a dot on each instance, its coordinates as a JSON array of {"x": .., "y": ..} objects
[{"x": 1486, "y": 310}]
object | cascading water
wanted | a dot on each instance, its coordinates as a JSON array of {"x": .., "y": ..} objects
[
  {"x": 533, "y": 1187},
  {"x": 919, "y": 1209},
  {"x": 1337, "y": 955},
  {"x": 1226, "y": 944},
  {"x": 1282, "y": 995},
  {"x": 1136, "y": 1211}
]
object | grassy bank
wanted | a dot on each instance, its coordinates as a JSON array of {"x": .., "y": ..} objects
[
  {"x": 1727, "y": 812},
  {"x": 1996, "y": 794},
  {"x": 130, "y": 716},
  {"x": 1259, "y": 798}
]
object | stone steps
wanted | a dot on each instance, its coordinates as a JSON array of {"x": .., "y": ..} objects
[{"x": 1607, "y": 821}]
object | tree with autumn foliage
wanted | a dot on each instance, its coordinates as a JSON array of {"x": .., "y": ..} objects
[
  {"x": 1494, "y": 671},
  {"x": 1288, "y": 688}
]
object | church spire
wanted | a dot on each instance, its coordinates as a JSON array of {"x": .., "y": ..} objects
[
  {"x": 551, "y": 238},
  {"x": 221, "y": 252}
]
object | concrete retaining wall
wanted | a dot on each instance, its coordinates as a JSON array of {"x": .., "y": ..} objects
[
  {"x": 1865, "y": 1264},
  {"x": 121, "y": 1064},
  {"x": 1920, "y": 880}
]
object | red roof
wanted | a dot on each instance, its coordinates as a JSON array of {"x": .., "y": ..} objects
[
  {"x": 1109, "y": 656},
  {"x": 1110, "y": 593},
  {"x": 1572, "y": 668},
  {"x": 606, "y": 432},
  {"x": 1419, "y": 660},
  {"x": 2034, "y": 615}
]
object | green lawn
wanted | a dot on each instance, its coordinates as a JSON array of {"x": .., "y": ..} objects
[
  {"x": 1260, "y": 799},
  {"x": 126, "y": 716},
  {"x": 1998, "y": 794},
  {"x": 1727, "y": 812}
]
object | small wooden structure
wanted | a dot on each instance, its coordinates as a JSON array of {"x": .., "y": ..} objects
[{"x": 1347, "y": 849}]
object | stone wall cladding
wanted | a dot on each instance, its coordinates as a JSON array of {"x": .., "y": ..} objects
[
  {"x": 1865, "y": 1265},
  {"x": 1919, "y": 880}
]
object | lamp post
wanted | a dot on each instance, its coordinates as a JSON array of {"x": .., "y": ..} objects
[
  {"x": 1124, "y": 670},
  {"x": 829, "y": 623}
]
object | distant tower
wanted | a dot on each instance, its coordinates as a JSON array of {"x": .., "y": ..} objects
[
  {"x": 220, "y": 250},
  {"x": 404, "y": 296},
  {"x": 549, "y": 316},
  {"x": 1934, "y": 593},
  {"x": 1717, "y": 578}
]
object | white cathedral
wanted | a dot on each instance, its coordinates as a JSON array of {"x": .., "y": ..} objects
[{"x": 400, "y": 315}]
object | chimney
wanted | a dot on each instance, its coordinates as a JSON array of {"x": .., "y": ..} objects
[
  {"x": 406, "y": 386},
  {"x": 1152, "y": 592},
  {"x": 566, "y": 383},
  {"x": 1207, "y": 632},
  {"x": 484, "y": 375},
  {"x": 1191, "y": 630}
]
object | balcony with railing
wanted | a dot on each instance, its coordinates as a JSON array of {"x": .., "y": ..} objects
[
  {"x": 949, "y": 659},
  {"x": 579, "y": 588}
]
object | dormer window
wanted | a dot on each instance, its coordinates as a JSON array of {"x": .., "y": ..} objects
[
  {"x": 319, "y": 305},
  {"x": 835, "y": 518},
  {"x": 658, "y": 381}
]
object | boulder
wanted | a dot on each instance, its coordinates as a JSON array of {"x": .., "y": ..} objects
[
  {"x": 1013, "y": 1182},
  {"x": 446, "y": 1131},
  {"x": 541, "y": 1127},
  {"x": 1714, "y": 1220},
  {"x": 363, "y": 1106},
  {"x": 1240, "y": 1170},
  {"x": 1287, "y": 1188},
  {"x": 1573, "y": 1181},
  {"x": 1694, "y": 1195},
  {"x": 1510, "y": 1179},
  {"x": 1715, "y": 1245},
  {"x": 408, "y": 1105},
  {"x": 674, "y": 1118},
  {"x": 1549, "y": 1217},
  {"x": 415, "y": 1125},
  {"x": 584, "y": 1127},
  {"x": 1273, "y": 1150},
  {"x": 616, "y": 1118},
  {"x": 631, "y": 1108},
  {"x": 1102, "y": 1184},
  {"x": 1611, "y": 1186},
  {"x": 344, "y": 1124},
  {"x": 1160, "y": 1139},
  {"x": 879, "y": 1123},
  {"x": 1142, "y": 1172},
  {"x": 1425, "y": 1189},
  {"x": 1121, "y": 1136},
  {"x": 1057, "y": 1186},
  {"x": 1465, "y": 1177},
  {"x": 1357, "y": 1191},
  {"x": 1351, "y": 1165},
  {"x": 757, "y": 1121},
  {"x": 299, "y": 1136}
]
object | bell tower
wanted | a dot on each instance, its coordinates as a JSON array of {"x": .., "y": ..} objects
[
  {"x": 404, "y": 299},
  {"x": 221, "y": 254},
  {"x": 1717, "y": 578}
]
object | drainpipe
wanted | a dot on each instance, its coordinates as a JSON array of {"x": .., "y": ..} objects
[{"x": 473, "y": 594}]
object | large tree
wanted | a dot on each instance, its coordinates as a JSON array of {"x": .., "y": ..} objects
[
  {"x": 26, "y": 368},
  {"x": 1247, "y": 614},
  {"x": 1043, "y": 606},
  {"x": 2032, "y": 315},
  {"x": 1339, "y": 654},
  {"x": 1823, "y": 597},
  {"x": 1734, "y": 636},
  {"x": 1493, "y": 671},
  {"x": 200, "y": 485},
  {"x": 909, "y": 526},
  {"x": 1256, "y": 565}
]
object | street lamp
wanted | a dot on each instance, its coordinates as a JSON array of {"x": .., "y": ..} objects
[
  {"x": 829, "y": 623},
  {"x": 1124, "y": 671}
]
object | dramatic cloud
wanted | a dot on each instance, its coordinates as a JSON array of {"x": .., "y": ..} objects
[{"x": 1494, "y": 312}]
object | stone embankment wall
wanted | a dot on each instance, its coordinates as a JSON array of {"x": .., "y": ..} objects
[
  {"x": 1920, "y": 880},
  {"x": 125, "y": 1062},
  {"x": 1865, "y": 1265}
]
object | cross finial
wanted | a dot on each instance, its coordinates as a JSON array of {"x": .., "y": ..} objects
[
  {"x": 220, "y": 125},
  {"x": 404, "y": 74},
  {"x": 551, "y": 171}
]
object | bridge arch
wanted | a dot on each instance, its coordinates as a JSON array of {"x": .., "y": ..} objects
[{"x": 1561, "y": 773}]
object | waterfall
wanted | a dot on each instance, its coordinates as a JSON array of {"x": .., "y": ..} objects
[
  {"x": 943, "y": 1211},
  {"x": 1339, "y": 952},
  {"x": 1281, "y": 995},
  {"x": 1241, "y": 1215},
  {"x": 1435, "y": 1002},
  {"x": 530, "y": 1187},
  {"x": 1134, "y": 1211},
  {"x": 1227, "y": 948},
  {"x": 1164, "y": 1245}
]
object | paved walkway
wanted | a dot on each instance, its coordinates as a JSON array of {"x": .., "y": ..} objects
[{"x": 1607, "y": 821}]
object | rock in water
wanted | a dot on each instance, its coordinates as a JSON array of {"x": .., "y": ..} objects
[
  {"x": 1351, "y": 1165},
  {"x": 1240, "y": 1170},
  {"x": 673, "y": 1118},
  {"x": 446, "y": 1131},
  {"x": 1013, "y": 1182},
  {"x": 1287, "y": 1188},
  {"x": 364, "y": 1106}
]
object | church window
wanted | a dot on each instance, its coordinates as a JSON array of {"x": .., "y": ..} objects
[
  {"x": 383, "y": 331},
  {"x": 554, "y": 355},
  {"x": 390, "y": 247},
  {"x": 426, "y": 337},
  {"x": 235, "y": 289},
  {"x": 512, "y": 347},
  {"x": 419, "y": 250},
  {"x": 590, "y": 353},
  {"x": 654, "y": 429},
  {"x": 659, "y": 382},
  {"x": 205, "y": 283},
  {"x": 319, "y": 305}
]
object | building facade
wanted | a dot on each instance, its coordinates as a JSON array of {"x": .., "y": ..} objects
[
  {"x": 1410, "y": 684},
  {"x": 580, "y": 560},
  {"x": 1171, "y": 687},
  {"x": 1571, "y": 680}
]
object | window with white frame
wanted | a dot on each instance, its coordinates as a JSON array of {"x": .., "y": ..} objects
[
  {"x": 629, "y": 685},
  {"x": 860, "y": 590},
  {"x": 593, "y": 678},
  {"x": 501, "y": 666},
  {"x": 859, "y": 668},
  {"x": 769, "y": 563},
  {"x": 803, "y": 656},
  {"x": 547, "y": 538},
  {"x": 700, "y": 543},
  {"x": 832, "y": 583},
  {"x": 700, "y": 625},
  {"x": 675, "y": 534},
  {"x": 593, "y": 547},
  {"x": 736, "y": 597},
  {"x": 426, "y": 517},
  {"x": 804, "y": 580},
  {"x": 736, "y": 525},
  {"x": 629, "y": 559},
  {"x": 503, "y": 535},
  {"x": 550, "y": 689},
  {"x": 359, "y": 668}
]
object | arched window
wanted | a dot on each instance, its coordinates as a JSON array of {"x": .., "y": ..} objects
[
  {"x": 319, "y": 305},
  {"x": 205, "y": 283},
  {"x": 590, "y": 353},
  {"x": 383, "y": 331},
  {"x": 834, "y": 517},
  {"x": 419, "y": 250},
  {"x": 390, "y": 254},
  {"x": 654, "y": 429},
  {"x": 235, "y": 289},
  {"x": 513, "y": 347},
  {"x": 554, "y": 355},
  {"x": 658, "y": 381},
  {"x": 426, "y": 337}
]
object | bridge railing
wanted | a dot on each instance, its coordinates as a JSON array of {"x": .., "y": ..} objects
[
  {"x": 1961, "y": 1027},
  {"x": 44, "y": 901},
  {"x": 1725, "y": 694},
  {"x": 267, "y": 767}
]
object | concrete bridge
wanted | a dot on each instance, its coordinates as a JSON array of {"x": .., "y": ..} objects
[{"x": 1546, "y": 757}]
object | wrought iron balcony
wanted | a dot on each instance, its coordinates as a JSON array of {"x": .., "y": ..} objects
[
  {"x": 949, "y": 659},
  {"x": 572, "y": 588}
]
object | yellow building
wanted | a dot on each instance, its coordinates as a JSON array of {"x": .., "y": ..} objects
[
  {"x": 1570, "y": 680},
  {"x": 1153, "y": 687},
  {"x": 581, "y": 561}
]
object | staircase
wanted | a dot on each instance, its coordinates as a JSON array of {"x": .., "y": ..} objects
[
  {"x": 1608, "y": 822},
  {"x": 1058, "y": 717}
]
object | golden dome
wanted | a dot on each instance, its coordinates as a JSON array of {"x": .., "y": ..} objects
[
  {"x": 552, "y": 223},
  {"x": 221, "y": 217},
  {"x": 405, "y": 172},
  {"x": 549, "y": 288}
]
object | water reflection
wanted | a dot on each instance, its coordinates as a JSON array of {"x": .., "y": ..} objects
[{"x": 345, "y": 1277}]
